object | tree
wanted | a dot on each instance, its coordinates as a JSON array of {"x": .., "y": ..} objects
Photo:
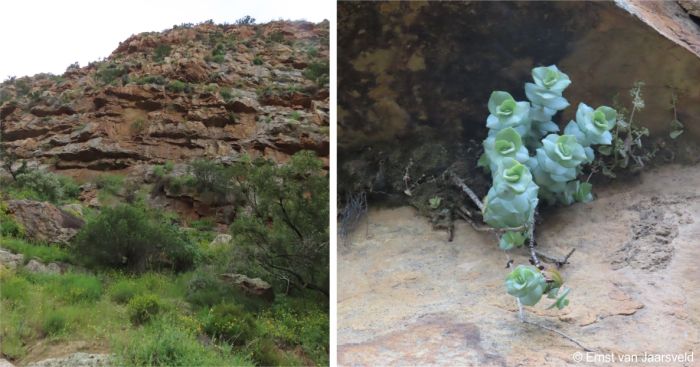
[
  {"x": 246, "y": 20},
  {"x": 285, "y": 231}
]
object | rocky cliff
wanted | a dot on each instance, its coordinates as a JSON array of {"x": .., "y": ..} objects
[{"x": 192, "y": 91}]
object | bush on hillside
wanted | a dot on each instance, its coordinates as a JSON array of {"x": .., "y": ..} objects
[
  {"x": 130, "y": 237},
  {"x": 143, "y": 308},
  {"x": 212, "y": 181},
  {"x": 286, "y": 231},
  {"x": 230, "y": 323},
  {"x": 46, "y": 186}
]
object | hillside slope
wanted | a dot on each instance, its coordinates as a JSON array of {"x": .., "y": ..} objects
[{"x": 208, "y": 90}]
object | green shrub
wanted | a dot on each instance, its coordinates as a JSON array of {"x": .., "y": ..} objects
[
  {"x": 132, "y": 238},
  {"x": 168, "y": 166},
  {"x": 14, "y": 289},
  {"x": 226, "y": 94},
  {"x": 76, "y": 288},
  {"x": 212, "y": 181},
  {"x": 257, "y": 60},
  {"x": 205, "y": 290},
  {"x": 12, "y": 347},
  {"x": 277, "y": 37},
  {"x": 204, "y": 224},
  {"x": 266, "y": 353},
  {"x": 124, "y": 290},
  {"x": 295, "y": 116},
  {"x": 218, "y": 53},
  {"x": 111, "y": 184},
  {"x": 47, "y": 186},
  {"x": 312, "y": 52},
  {"x": 107, "y": 73},
  {"x": 298, "y": 321},
  {"x": 137, "y": 127},
  {"x": 318, "y": 72},
  {"x": 54, "y": 323},
  {"x": 180, "y": 184},
  {"x": 143, "y": 308},
  {"x": 8, "y": 225},
  {"x": 178, "y": 86},
  {"x": 159, "y": 171},
  {"x": 164, "y": 343},
  {"x": 150, "y": 79},
  {"x": 161, "y": 52},
  {"x": 230, "y": 323}
]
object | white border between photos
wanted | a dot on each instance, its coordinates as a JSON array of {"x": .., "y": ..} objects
[{"x": 333, "y": 171}]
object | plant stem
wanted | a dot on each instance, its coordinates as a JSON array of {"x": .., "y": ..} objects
[
  {"x": 531, "y": 243},
  {"x": 460, "y": 183}
]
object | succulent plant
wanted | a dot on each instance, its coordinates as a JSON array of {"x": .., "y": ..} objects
[
  {"x": 548, "y": 87},
  {"x": 504, "y": 144},
  {"x": 506, "y": 112},
  {"x": 556, "y": 162},
  {"x": 592, "y": 127},
  {"x": 527, "y": 284},
  {"x": 512, "y": 199},
  {"x": 541, "y": 124},
  {"x": 511, "y": 239},
  {"x": 520, "y": 180}
]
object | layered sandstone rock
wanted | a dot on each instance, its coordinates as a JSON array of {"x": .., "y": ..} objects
[{"x": 143, "y": 105}]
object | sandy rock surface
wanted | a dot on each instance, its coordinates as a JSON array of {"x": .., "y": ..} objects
[{"x": 410, "y": 297}]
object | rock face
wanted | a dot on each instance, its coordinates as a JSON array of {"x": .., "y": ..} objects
[
  {"x": 254, "y": 286},
  {"x": 45, "y": 222},
  {"x": 191, "y": 91},
  {"x": 79, "y": 359},
  {"x": 415, "y": 77},
  {"x": 691, "y": 6},
  {"x": 409, "y": 297}
]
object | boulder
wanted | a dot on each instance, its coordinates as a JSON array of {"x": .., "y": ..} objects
[
  {"x": 75, "y": 209},
  {"x": 254, "y": 286},
  {"x": 76, "y": 360},
  {"x": 5, "y": 363},
  {"x": 35, "y": 266},
  {"x": 221, "y": 239},
  {"x": 44, "y": 222},
  {"x": 10, "y": 260}
]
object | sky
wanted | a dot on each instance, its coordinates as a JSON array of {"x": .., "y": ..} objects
[{"x": 44, "y": 36}]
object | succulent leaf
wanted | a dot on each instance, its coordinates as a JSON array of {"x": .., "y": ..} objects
[
  {"x": 506, "y": 112},
  {"x": 527, "y": 284}
]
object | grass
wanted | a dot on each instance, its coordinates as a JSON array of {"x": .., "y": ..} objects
[
  {"x": 124, "y": 290},
  {"x": 111, "y": 184},
  {"x": 41, "y": 252},
  {"x": 73, "y": 307},
  {"x": 165, "y": 343}
]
